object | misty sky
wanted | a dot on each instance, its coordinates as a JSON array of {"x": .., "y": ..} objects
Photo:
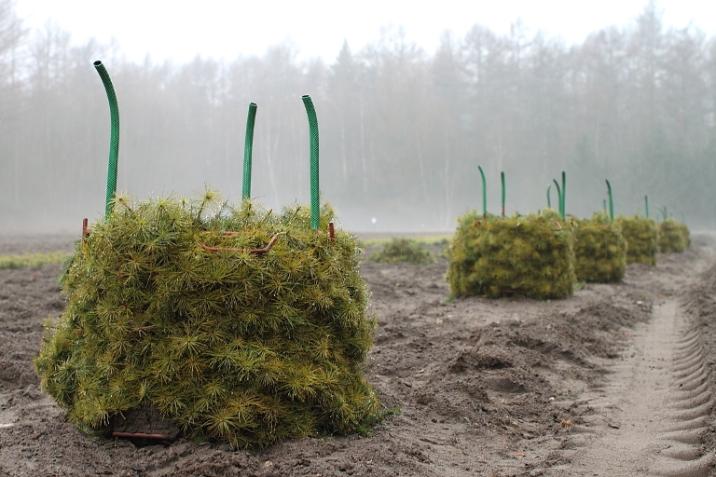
[{"x": 179, "y": 29}]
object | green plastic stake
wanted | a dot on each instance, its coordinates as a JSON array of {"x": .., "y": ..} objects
[
  {"x": 611, "y": 200},
  {"x": 484, "y": 191},
  {"x": 248, "y": 152},
  {"x": 504, "y": 191},
  {"x": 313, "y": 134},
  {"x": 564, "y": 196},
  {"x": 559, "y": 196},
  {"x": 646, "y": 205},
  {"x": 113, "y": 138},
  {"x": 549, "y": 196}
]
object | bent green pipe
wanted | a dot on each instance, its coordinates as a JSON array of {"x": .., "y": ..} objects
[
  {"x": 248, "y": 152},
  {"x": 559, "y": 196},
  {"x": 484, "y": 191},
  {"x": 313, "y": 135},
  {"x": 646, "y": 205},
  {"x": 504, "y": 191},
  {"x": 113, "y": 138},
  {"x": 563, "y": 203},
  {"x": 611, "y": 200}
]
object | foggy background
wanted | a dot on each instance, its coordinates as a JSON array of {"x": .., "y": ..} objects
[{"x": 402, "y": 129}]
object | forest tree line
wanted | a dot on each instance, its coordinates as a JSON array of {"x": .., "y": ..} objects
[{"x": 402, "y": 130}]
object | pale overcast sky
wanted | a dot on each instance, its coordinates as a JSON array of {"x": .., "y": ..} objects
[{"x": 181, "y": 29}]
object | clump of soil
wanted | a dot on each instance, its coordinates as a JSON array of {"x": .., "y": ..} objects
[{"x": 511, "y": 362}]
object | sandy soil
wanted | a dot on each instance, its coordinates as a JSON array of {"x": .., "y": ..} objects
[
  {"x": 700, "y": 307},
  {"x": 483, "y": 387}
]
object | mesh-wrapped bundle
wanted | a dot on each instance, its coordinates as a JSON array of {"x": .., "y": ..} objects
[
  {"x": 599, "y": 249},
  {"x": 403, "y": 250},
  {"x": 529, "y": 256},
  {"x": 672, "y": 238},
  {"x": 242, "y": 326},
  {"x": 641, "y": 236},
  {"x": 686, "y": 233}
]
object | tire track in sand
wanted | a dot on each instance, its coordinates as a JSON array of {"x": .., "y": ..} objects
[{"x": 649, "y": 416}]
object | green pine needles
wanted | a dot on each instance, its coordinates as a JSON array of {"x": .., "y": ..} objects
[
  {"x": 530, "y": 256},
  {"x": 179, "y": 306},
  {"x": 403, "y": 250},
  {"x": 599, "y": 249},
  {"x": 686, "y": 233},
  {"x": 641, "y": 236},
  {"x": 673, "y": 236}
]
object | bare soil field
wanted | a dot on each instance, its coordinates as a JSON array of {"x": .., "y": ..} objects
[{"x": 615, "y": 380}]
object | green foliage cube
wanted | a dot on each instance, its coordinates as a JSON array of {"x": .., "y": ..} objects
[
  {"x": 530, "y": 256},
  {"x": 403, "y": 250},
  {"x": 672, "y": 237},
  {"x": 641, "y": 236},
  {"x": 599, "y": 249},
  {"x": 686, "y": 233},
  {"x": 172, "y": 308}
]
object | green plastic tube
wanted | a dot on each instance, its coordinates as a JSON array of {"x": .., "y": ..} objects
[
  {"x": 248, "y": 152},
  {"x": 611, "y": 200},
  {"x": 563, "y": 203},
  {"x": 113, "y": 138},
  {"x": 549, "y": 196},
  {"x": 484, "y": 191},
  {"x": 504, "y": 191},
  {"x": 559, "y": 196},
  {"x": 314, "y": 145},
  {"x": 646, "y": 206}
]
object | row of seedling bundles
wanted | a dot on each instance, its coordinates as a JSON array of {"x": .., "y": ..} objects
[{"x": 542, "y": 255}]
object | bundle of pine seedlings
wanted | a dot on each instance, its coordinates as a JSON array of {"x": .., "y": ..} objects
[
  {"x": 241, "y": 325},
  {"x": 686, "y": 233},
  {"x": 600, "y": 250},
  {"x": 529, "y": 256},
  {"x": 641, "y": 236},
  {"x": 672, "y": 238},
  {"x": 403, "y": 250}
]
